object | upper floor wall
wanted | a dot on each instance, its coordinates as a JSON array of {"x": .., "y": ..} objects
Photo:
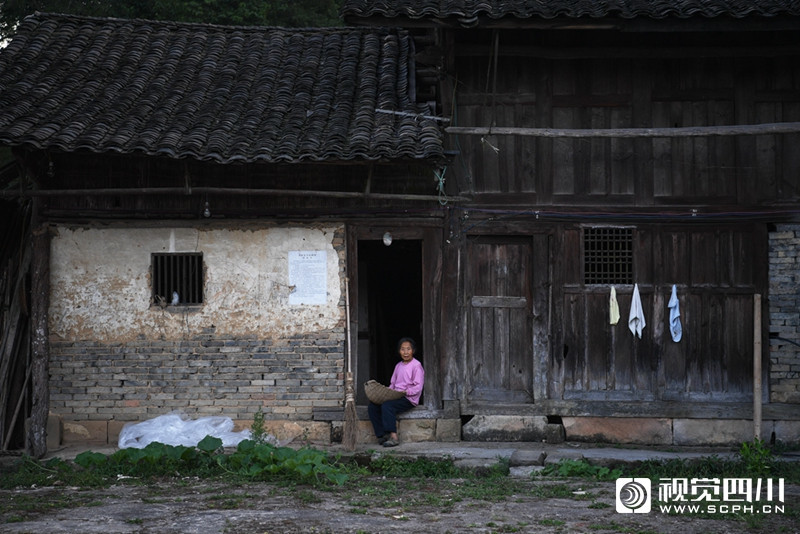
[{"x": 525, "y": 79}]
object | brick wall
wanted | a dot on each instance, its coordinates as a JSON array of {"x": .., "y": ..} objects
[
  {"x": 784, "y": 313},
  {"x": 202, "y": 376}
]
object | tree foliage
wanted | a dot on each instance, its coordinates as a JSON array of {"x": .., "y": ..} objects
[{"x": 288, "y": 13}]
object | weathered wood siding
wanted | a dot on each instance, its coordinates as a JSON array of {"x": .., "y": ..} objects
[
  {"x": 716, "y": 270},
  {"x": 500, "y": 342},
  {"x": 142, "y": 177},
  {"x": 623, "y": 92}
]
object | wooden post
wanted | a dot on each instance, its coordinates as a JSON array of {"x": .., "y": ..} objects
[
  {"x": 36, "y": 441},
  {"x": 452, "y": 342},
  {"x": 756, "y": 366}
]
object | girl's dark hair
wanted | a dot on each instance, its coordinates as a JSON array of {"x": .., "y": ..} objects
[{"x": 409, "y": 340}]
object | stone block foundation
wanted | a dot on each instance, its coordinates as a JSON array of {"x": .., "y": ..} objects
[
  {"x": 682, "y": 432},
  {"x": 621, "y": 430},
  {"x": 321, "y": 432}
]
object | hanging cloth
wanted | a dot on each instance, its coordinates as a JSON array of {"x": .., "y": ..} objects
[
  {"x": 613, "y": 306},
  {"x": 636, "y": 321},
  {"x": 675, "y": 327}
]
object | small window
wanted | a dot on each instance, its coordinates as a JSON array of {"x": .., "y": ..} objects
[
  {"x": 177, "y": 278},
  {"x": 608, "y": 255}
]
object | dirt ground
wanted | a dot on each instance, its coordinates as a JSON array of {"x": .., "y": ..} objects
[{"x": 374, "y": 506}]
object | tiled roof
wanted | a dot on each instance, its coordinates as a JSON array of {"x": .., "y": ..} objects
[
  {"x": 548, "y": 9},
  {"x": 225, "y": 94}
]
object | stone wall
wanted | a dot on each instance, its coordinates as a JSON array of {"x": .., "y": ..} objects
[{"x": 784, "y": 313}]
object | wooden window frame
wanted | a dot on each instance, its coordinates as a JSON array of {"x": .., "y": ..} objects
[{"x": 608, "y": 255}]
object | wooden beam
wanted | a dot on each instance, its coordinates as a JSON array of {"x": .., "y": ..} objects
[
  {"x": 220, "y": 191},
  {"x": 691, "y": 131},
  {"x": 646, "y": 52},
  {"x": 498, "y": 302},
  {"x": 757, "y": 355},
  {"x": 705, "y": 409}
]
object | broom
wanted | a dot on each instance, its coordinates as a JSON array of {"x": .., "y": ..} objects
[{"x": 350, "y": 432}]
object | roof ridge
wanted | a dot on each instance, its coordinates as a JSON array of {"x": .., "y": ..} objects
[{"x": 205, "y": 25}]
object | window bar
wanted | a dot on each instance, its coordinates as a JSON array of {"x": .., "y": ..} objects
[
  {"x": 195, "y": 279},
  {"x": 173, "y": 260},
  {"x": 182, "y": 278},
  {"x": 162, "y": 278}
]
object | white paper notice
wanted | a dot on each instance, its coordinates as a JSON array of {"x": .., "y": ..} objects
[{"x": 308, "y": 273}]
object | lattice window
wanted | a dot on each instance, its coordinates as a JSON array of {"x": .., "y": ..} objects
[
  {"x": 177, "y": 278},
  {"x": 608, "y": 255}
]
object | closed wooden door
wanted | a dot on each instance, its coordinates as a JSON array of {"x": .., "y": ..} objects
[{"x": 500, "y": 341}]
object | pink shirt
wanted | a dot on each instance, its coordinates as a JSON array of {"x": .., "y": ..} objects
[{"x": 409, "y": 377}]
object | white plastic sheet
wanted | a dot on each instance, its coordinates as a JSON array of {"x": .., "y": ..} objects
[{"x": 177, "y": 429}]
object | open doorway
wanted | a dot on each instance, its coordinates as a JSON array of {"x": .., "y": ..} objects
[{"x": 389, "y": 306}]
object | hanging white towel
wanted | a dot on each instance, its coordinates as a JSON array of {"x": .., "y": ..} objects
[
  {"x": 613, "y": 306},
  {"x": 636, "y": 321},
  {"x": 675, "y": 327}
]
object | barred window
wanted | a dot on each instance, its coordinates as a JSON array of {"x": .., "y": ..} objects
[
  {"x": 177, "y": 278},
  {"x": 608, "y": 255}
]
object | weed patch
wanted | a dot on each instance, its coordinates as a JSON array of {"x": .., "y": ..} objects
[
  {"x": 551, "y": 522},
  {"x": 250, "y": 461},
  {"x": 392, "y": 466},
  {"x": 580, "y": 469}
]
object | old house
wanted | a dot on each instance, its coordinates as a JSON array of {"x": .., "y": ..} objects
[
  {"x": 191, "y": 190},
  {"x": 480, "y": 179},
  {"x": 628, "y": 146}
]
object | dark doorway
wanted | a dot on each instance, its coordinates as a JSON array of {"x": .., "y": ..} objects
[{"x": 389, "y": 306}]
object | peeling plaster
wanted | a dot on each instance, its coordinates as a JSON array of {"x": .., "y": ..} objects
[{"x": 100, "y": 283}]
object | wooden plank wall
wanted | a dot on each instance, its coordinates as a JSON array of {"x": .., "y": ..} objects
[
  {"x": 717, "y": 270},
  {"x": 621, "y": 92},
  {"x": 15, "y": 311},
  {"x": 106, "y": 172}
]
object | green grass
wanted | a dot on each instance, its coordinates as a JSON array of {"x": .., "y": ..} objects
[
  {"x": 551, "y": 522},
  {"x": 754, "y": 460},
  {"x": 403, "y": 484},
  {"x": 18, "y": 507},
  {"x": 249, "y": 462}
]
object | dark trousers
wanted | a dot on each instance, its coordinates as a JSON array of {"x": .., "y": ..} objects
[{"x": 384, "y": 416}]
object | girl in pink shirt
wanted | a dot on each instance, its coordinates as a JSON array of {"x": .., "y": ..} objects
[{"x": 408, "y": 377}]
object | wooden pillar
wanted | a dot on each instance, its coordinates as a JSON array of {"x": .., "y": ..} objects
[
  {"x": 453, "y": 344},
  {"x": 36, "y": 441},
  {"x": 757, "y": 367}
]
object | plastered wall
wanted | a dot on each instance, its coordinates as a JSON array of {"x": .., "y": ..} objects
[{"x": 100, "y": 280}]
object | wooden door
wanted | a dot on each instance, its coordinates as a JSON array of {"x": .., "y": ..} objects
[{"x": 499, "y": 338}]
